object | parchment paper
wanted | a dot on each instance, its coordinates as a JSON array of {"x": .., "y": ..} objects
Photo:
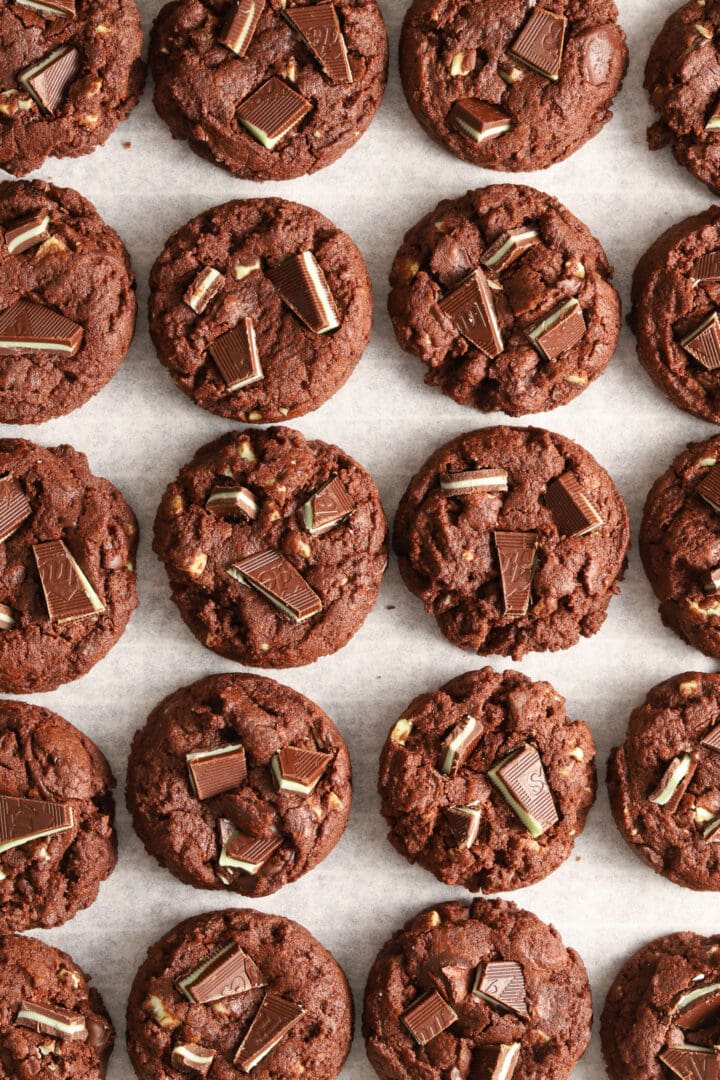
[{"x": 140, "y": 429}]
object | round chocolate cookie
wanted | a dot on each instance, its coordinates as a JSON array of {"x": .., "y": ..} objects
[
  {"x": 272, "y": 1002},
  {"x": 239, "y": 783},
  {"x": 661, "y": 1018},
  {"x": 52, "y": 1022},
  {"x": 486, "y": 782},
  {"x": 506, "y": 297},
  {"x": 680, "y": 544},
  {"x": 269, "y": 91},
  {"x": 70, "y": 71},
  {"x": 65, "y": 283},
  {"x": 682, "y": 77},
  {"x": 480, "y": 990},
  {"x": 260, "y": 309},
  {"x": 512, "y": 87},
  {"x": 67, "y": 566},
  {"x": 664, "y": 781},
  {"x": 57, "y": 843},
  {"x": 275, "y": 546},
  {"x": 675, "y": 313},
  {"x": 514, "y": 538}
]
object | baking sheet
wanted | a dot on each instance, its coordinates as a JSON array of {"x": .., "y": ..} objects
[{"x": 140, "y": 429}]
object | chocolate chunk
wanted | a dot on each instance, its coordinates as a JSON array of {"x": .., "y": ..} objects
[
  {"x": 47, "y": 81},
  {"x": 712, "y": 739},
  {"x": 232, "y": 502},
  {"x": 49, "y": 1020},
  {"x": 214, "y": 771},
  {"x": 53, "y": 8},
  {"x": 709, "y": 488},
  {"x": 558, "y": 331},
  {"x": 275, "y": 1017},
  {"x": 224, "y": 973},
  {"x": 241, "y": 24},
  {"x": 707, "y": 267},
  {"x": 272, "y": 111},
  {"x": 478, "y": 119},
  {"x": 692, "y": 1062},
  {"x": 427, "y": 1017},
  {"x": 574, "y": 514},
  {"x": 299, "y": 770},
  {"x": 319, "y": 28},
  {"x": 472, "y": 310},
  {"x": 508, "y": 247},
  {"x": 203, "y": 289},
  {"x": 703, "y": 344},
  {"x": 540, "y": 43},
  {"x": 502, "y": 983},
  {"x": 674, "y": 782},
  {"x": 302, "y": 284},
  {"x": 711, "y": 831},
  {"x": 247, "y": 853},
  {"x": 68, "y": 593},
  {"x": 279, "y": 582},
  {"x": 98, "y": 1032},
  {"x": 327, "y": 507},
  {"x": 192, "y": 1058},
  {"x": 37, "y": 328},
  {"x": 26, "y": 233},
  {"x": 459, "y": 744},
  {"x": 468, "y": 480},
  {"x": 494, "y": 1061},
  {"x": 464, "y": 824},
  {"x": 711, "y": 581},
  {"x": 520, "y": 779},
  {"x": 697, "y": 1007},
  {"x": 516, "y": 556},
  {"x": 23, "y": 820},
  {"x": 236, "y": 355},
  {"x": 14, "y": 507},
  {"x": 713, "y": 121},
  {"x": 451, "y": 975}
]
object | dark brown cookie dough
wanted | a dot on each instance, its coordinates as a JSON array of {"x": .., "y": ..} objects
[
  {"x": 421, "y": 794},
  {"x": 99, "y": 531},
  {"x": 292, "y": 965},
  {"x": 460, "y": 53},
  {"x": 680, "y": 545},
  {"x": 448, "y": 553},
  {"x": 443, "y": 950},
  {"x": 78, "y": 267},
  {"x": 343, "y": 566},
  {"x": 682, "y": 77},
  {"x": 564, "y": 263},
  {"x": 103, "y": 86},
  {"x": 646, "y": 1017},
  {"x": 200, "y": 84},
  {"x": 301, "y": 368},
  {"x": 184, "y": 831}
]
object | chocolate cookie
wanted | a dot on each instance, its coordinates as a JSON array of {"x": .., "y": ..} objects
[
  {"x": 70, "y": 71},
  {"x": 239, "y": 783},
  {"x": 271, "y": 1002},
  {"x": 67, "y": 566},
  {"x": 275, "y": 546},
  {"x": 269, "y": 91},
  {"x": 260, "y": 309},
  {"x": 506, "y": 297},
  {"x": 486, "y": 782},
  {"x": 510, "y": 86},
  {"x": 682, "y": 77},
  {"x": 474, "y": 991},
  {"x": 67, "y": 301},
  {"x": 679, "y": 538},
  {"x": 515, "y": 540},
  {"x": 661, "y": 1018}
]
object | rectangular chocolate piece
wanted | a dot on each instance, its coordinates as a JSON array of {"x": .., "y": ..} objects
[
  {"x": 192, "y": 1058},
  {"x": 47, "y": 81},
  {"x": 711, "y": 581},
  {"x": 707, "y": 267},
  {"x": 241, "y": 24},
  {"x": 275, "y": 1017},
  {"x": 520, "y": 778},
  {"x": 459, "y": 744},
  {"x": 464, "y": 824},
  {"x": 232, "y": 502},
  {"x": 516, "y": 557},
  {"x": 14, "y": 507},
  {"x": 472, "y": 309},
  {"x": 674, "y": 782},
  {"x": 712, "y": 739},
  {"x": 49, "y": 1020},
  {"x": 508, "y": 247},
  {"x": 319, "y": 28},
  {"x": 54, "y": 8},
  {"x": 272, "y": 111},
  {"x": 427, "y": 1017},
  {"x": 34, "y": 327},
  {"x": 494, "y": 1061},
  {"x": 558, "y": 331},
  {"x": 214, "y": 771},
  {"x": 303, "y": 286},
  {"x": 541, "y": 41},
  {"x": 248, "y": 853},
  {"x": 279, "y": 582},
  {"x": 574, "y": 514},
  {"x": 236, "y": 356},
  {"x": 203, "y": 289},
  {"x": 703, "y": 343},
  {"x": 27, "y": 233},
  {"x": 299, "y": 770},
  {"x": 478, "y": 119},
  {"x": 327, "y": 507},
  {"x": 466, "y": 481},
  {"x": 692, "y": 1063},
  {"x": 225, "y": 973},
  {"x": 697, "y": 1007},
  {"x": 68, "y": 593},
  {"x": 23, "y": 820},
  {"x": 709, "y": 488},
  {"x": 502, "y": 983}
]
